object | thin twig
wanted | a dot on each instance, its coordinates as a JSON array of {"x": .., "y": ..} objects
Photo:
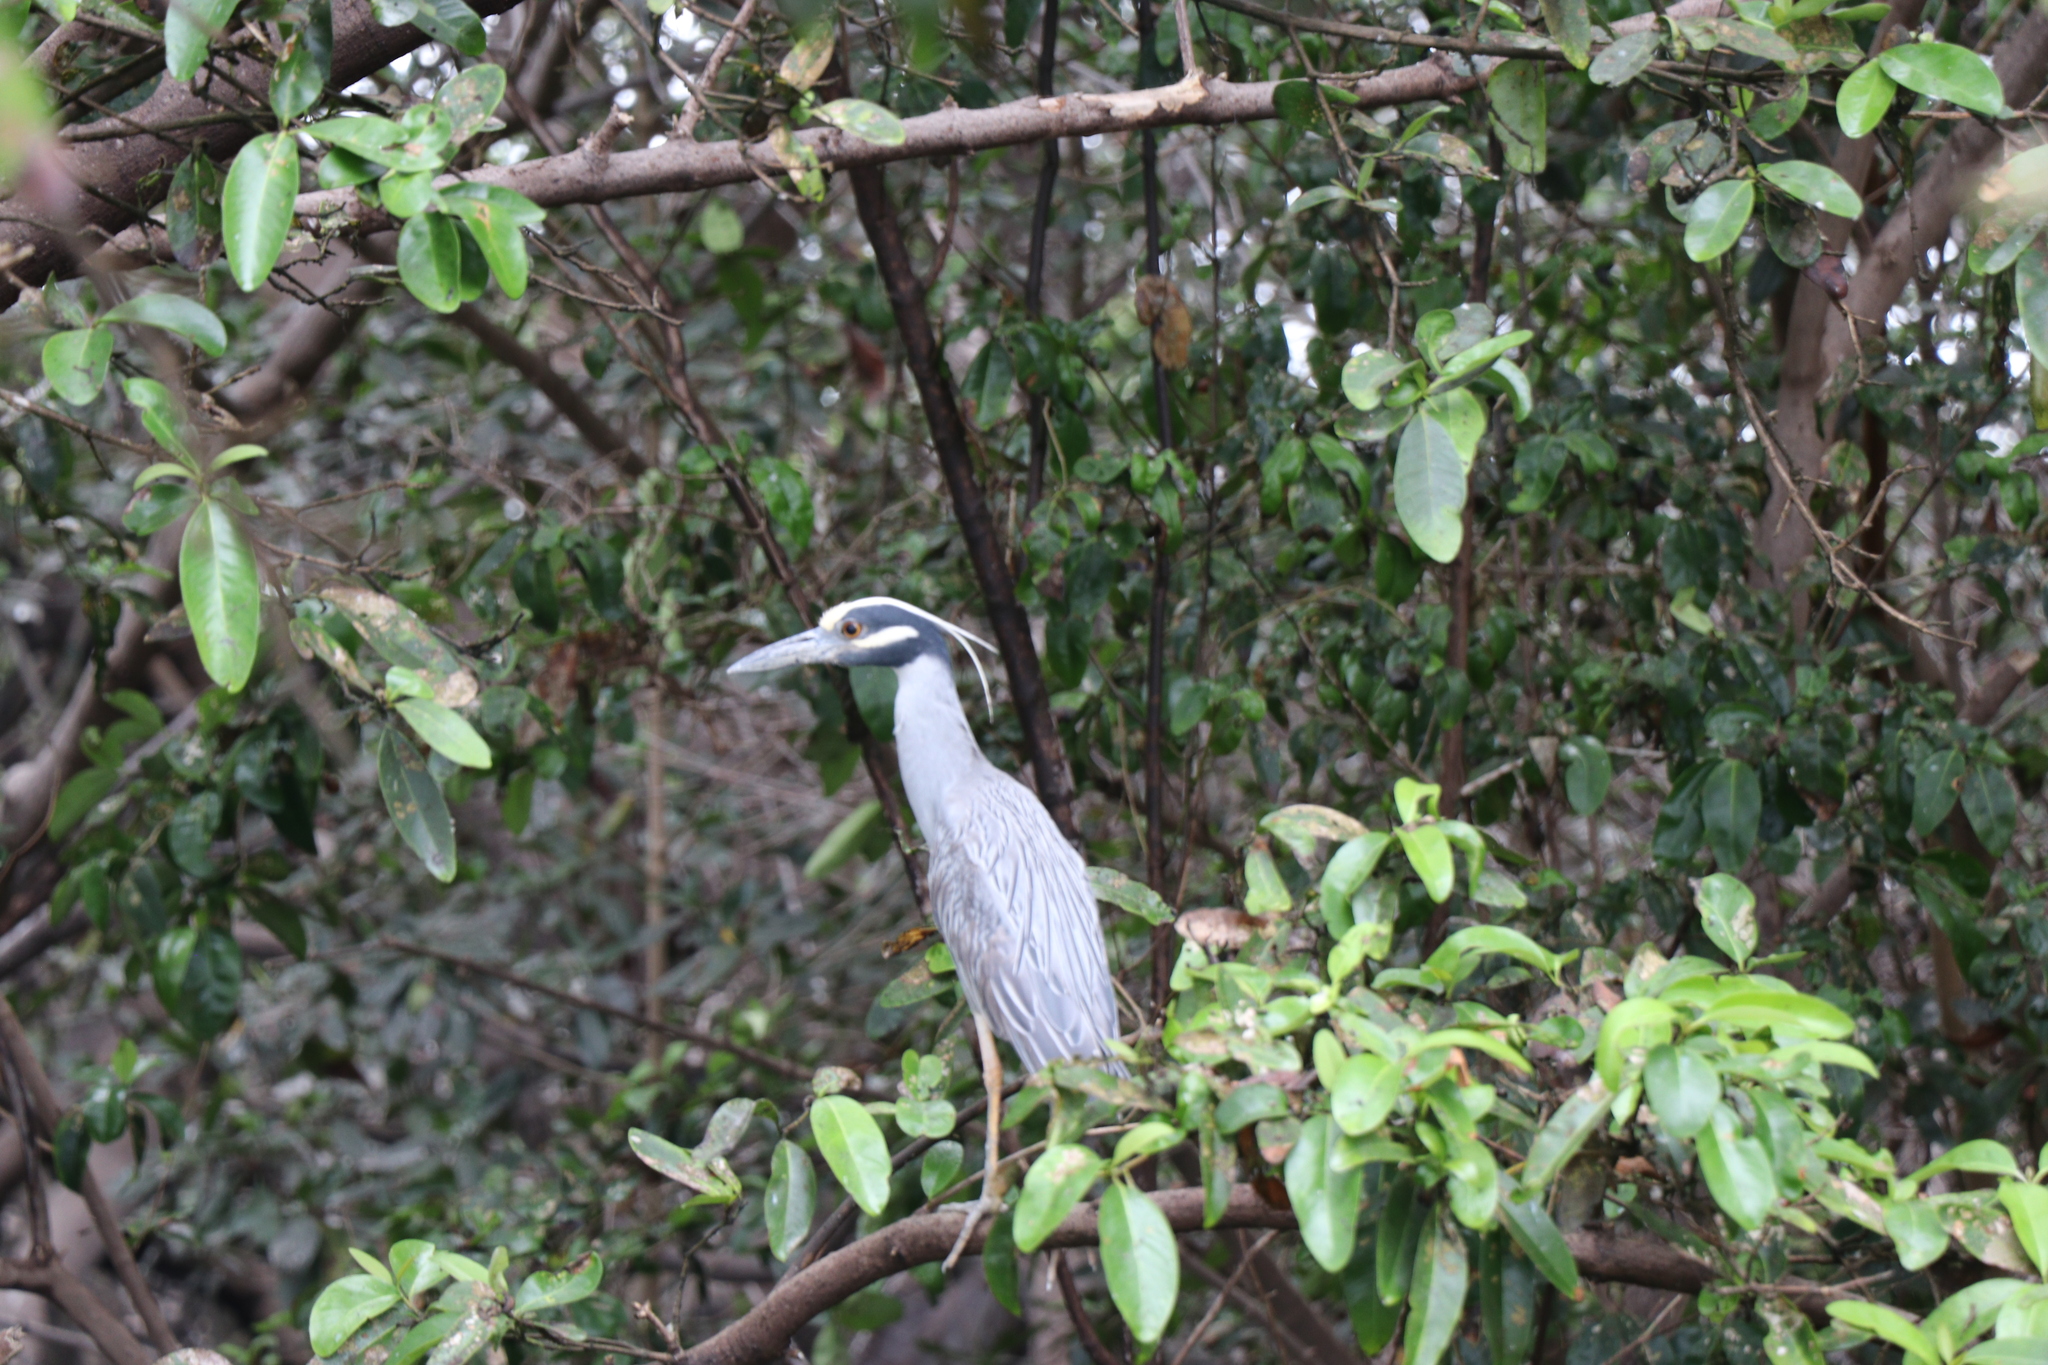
[{"x": 1216, "y": 1304}]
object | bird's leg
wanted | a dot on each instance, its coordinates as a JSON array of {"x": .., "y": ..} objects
[{"x": 991, "y": 1200}]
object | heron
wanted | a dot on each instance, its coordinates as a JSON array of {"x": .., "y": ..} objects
[{"x": 1009, "y": 895}]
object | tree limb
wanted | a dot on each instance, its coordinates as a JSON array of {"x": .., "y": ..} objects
[
  {"x": 949, "y": 439},
  {"x": 762, "y": 1335}
]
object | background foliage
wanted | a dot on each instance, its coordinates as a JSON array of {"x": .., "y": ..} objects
[{"x": 1523, "y": 572}]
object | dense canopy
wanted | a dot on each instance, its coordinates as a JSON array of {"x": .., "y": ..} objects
[{"x": 1512, "y": 540}]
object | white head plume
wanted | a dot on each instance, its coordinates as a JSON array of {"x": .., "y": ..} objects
[{"x": 967, "y": 639}]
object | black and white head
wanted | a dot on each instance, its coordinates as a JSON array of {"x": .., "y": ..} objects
[{"x": 878, "y": 632}]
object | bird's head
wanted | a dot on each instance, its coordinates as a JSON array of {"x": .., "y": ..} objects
[{"x": 878, "y": 632}]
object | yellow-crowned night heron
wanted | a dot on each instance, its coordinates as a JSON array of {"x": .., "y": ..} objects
[{"x": 1009, "y": 894}]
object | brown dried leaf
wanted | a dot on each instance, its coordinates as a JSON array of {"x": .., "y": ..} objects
[
  {"x": 1160, "y": 307},
  {"x": 1217, "y": 928},
  {"x": 908, "y": 939}
]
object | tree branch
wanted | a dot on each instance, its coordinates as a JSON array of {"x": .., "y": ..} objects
[
  {"x": 44, "y": 1099},
  {"x": 977, "y": 526},
  {"x": 762, "y": 1335}
]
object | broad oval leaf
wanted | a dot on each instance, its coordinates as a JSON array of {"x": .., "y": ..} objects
[
  {"x": 430, "y": 260},
  {"x": 1945, "y": 71},
  {"x": 866, "y": 121},
  {"x": 1731, "y": 806},
  {"x": 1864, "y": 99},
  {"x": 1728, "y": 913},
  {"x": 1363, "y": 1092},
  {"x": 1436, "y": 1293},
  {"x": 1683, "y": 1089},
  {"x": 1325, "y": 1197},
  {"x": 1625, "y": 59},
  {"x": 1588, "y": 772},
  {"x": 1429, "y": 853},
  {"x": 1055, "y": 1183},
  {"x": 256, "y": 206},
  {"x": 417, "y": 808},
  {"x": 710, "y": 1176},
  {"x": 446, "y": 732},
  {"x": 1429, "y": 489},
  {"x": 546, "y": 1289},
  {"x": 217, "y": 580},
  {"x": 851, "y": 1143},
  {"x": 1127, "y": 893},
  {"x": 1737, "y": 1168},
  {"x": 1140, "y": 1259},
  {"x": 343, "y": 1307},
  {"x": 1815, "y": 184},
  {"x": 1888, "y": 1323},
  {"x": 1717, "y": 218},
  {"x": 791, "y": 1199},
  {"x": 1559, "y": 1140},
  {"x": 75, "y": 363}
]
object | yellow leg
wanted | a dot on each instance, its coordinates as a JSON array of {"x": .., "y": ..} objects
[{"x": 991, "y": 1201}]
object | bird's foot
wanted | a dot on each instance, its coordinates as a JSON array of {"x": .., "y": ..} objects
[{"x": 988, "y": 1205}]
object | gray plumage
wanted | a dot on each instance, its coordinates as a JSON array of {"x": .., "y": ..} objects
[{"x": 1008, "y": 893}]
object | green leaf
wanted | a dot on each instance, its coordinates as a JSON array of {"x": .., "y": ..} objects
[
  {"x": 1571, "y": 28},
  {"x": 1815, "y": 184},
  {"x": 1626, "y": 58},
  {"x": 1980, "y": 1155},
  {"x": 719, "y": 228},
  {"x": 1436, "y": 1294},
  {"x": 81, "y": 792},
  {"x": 1264, "y": 892},
  {"x": 1588, "y": 772},
  {"x": 1366, "y": 374},
  {"x": 1140, "y": 1259},
  {"x": 844, "y": 840},
  {"x": 454, "y": 23},
  {"x": 1935, "y": 781},
  {"x": 1916, "y": 1232},
  {"x": 711, "y": 1176},
  {"x": 2030, "y": 294},
  {"x": 403, "y": 638},
  {"x": 1519, "y": 112},
  {"x": 791, "y": 1199},
  {"x": 1737, "y": 1169},
  {"x": 1991, "y": 806},
  {"x": 1683, "y": 1089},
  {"x": 1889, "y": 1324},
  {"x": 1429, "y": 488},
  {"x": 295, "y": 84},
  {"x": 1147, "y": 1139},
  {"x": 345, "y": 1306},
  {"x": 786, "y": 496},
  {"x": 234, "y": 455},
  {"x": 495, "y": 217},
  {"x": 256, "y": 206},
  {"x": 75, "y": 363},
  {"x": 1718, "y": 217},
  {"x": 1429, "y": 853},
  {"x": 446, "y": 732},
  {"x": 852, "y": 1145},
  {"x": 1248, "y": 1103},
  {"x": 469, "y": 99},
  {"x": 546, "y": 1289},
  {"x": 1365, "y": 1090},
  {"x": 868, "y": 122},
  {"x": 2028, "y": 1207},
  {"x": 378, "y": 140},
  {"x": 1127, "y": 894},
  {"x": 1056, "y": 1182},
  {"x": 1320, "y": 195},
  {"x": 223, "y": 599},
  {"x": 999, "y": 1264},
  {"x": 188, "y": 26},
  {"x": 1637, "y": 1025},
  {"x": 430, "y": 260},
  {"x": 1944, "y": 71},
  {"x": 1728, "y": 913},
  {"x": 417, "y": 808},
  {"x": 1530, "y": 1225},
  {"x": 1864, "y": 99},
  {"x": 1559, "y": 1140},
  {"x": 1731, "y": 805},
  {"x": 1324, "y": 1197}
]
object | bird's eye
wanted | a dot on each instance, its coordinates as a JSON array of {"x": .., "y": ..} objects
[{"x": 850, "y": 629}]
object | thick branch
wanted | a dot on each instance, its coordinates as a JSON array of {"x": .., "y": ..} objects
[
  {"x": 1820, "y": 337},
  {"x": 977, "y": 526},
  {"x": 81, "y": 1305},
  {"x": 573, "y": 178},
  {"x": 763, "y": 1333}
]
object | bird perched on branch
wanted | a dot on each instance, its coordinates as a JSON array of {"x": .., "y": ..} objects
[{"x": 1009, "y": 894}]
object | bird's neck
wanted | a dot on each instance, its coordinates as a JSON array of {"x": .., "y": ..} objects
[{"x": 934, "y": 746}]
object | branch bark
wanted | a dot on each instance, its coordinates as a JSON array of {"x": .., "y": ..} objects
[
  {"x": 949, "y": 438},
  {"x": 44, "y": 1100},
  {"x": 1821, "y": 336},
  {"x": 763, "y": 1334}
]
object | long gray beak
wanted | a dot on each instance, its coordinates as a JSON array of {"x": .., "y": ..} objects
[{"x": 811, "y": 647}]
